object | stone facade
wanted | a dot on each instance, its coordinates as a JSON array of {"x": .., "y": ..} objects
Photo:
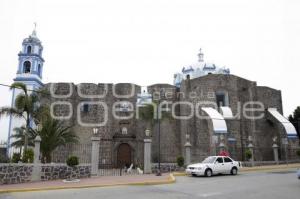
[
  {"x": 21, "y": 173},
  {"x": 83, "y": 106}
]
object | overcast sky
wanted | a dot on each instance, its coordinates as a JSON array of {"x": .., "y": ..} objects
[{"x": 146, "y": 42}]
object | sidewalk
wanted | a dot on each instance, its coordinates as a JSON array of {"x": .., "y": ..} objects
[{"x": 102, "y": 181}]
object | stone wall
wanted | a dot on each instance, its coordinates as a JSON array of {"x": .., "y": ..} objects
[
  {"x": 15, "y": 173},
  {"x": 21, "y": 173},
  {"x": 62, "y": 171},
  {"x": 166, "y": 167}
]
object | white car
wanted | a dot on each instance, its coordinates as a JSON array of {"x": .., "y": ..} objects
[
  {"x": 298, "y": 174},
  {"x": 214, "y": 165}
]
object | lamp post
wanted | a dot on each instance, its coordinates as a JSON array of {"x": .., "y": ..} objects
[
  {"x": 285, "y": 143},
  {"x": 39, "y": 127},
  {"x": 158, "y": 124},
  {"x": 275, "y": 149},
  {"x": 95, "y": 131},
  {"x": 187, "y": 150},
  {"x": 250, "y": 147}
]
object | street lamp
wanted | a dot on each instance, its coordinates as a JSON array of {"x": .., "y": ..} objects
[
  {"x": 39, "y": 127},
  {"x": 158, "y": 123},
  {"x": 95, "y": 131},
  {"x": 285, "y": 143},
  {"x": 147, "y": 133}
]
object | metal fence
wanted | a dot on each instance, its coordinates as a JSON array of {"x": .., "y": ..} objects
[
  {"x": 82, "y": 151},
  {"x": 111, "y": 170}
]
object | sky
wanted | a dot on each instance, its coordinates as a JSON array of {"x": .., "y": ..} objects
[{"x": 147, "y": 41}]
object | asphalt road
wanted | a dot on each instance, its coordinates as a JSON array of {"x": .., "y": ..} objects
[{"x": 260, "y": 185}]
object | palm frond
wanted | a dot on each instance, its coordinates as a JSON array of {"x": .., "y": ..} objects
[
  {"x": 20, "y": 101},
  {"x": 19, "y": 85},
  {"x": 9, "y": 111}
]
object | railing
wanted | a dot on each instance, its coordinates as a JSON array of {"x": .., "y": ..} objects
[{"x": 111, "y": 170}]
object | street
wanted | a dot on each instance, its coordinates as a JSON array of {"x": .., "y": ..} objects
[{"x": 256, "y": 185}]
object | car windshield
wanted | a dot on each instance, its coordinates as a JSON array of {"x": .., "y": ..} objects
[{"x": 209, "y": 160}]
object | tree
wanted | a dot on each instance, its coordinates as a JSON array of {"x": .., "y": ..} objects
[
  {"x": 19, "y": 137},
  {"x": 25, "y": 107},
  {"x": 54, "y": 134},
  {"x": 295, "y": 120}
]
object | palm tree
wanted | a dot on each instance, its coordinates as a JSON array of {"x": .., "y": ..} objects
[
  {"x": 19, "y": 137},
  {"x": 25, "y": 106},
  {"x": 54, "y": 134}
]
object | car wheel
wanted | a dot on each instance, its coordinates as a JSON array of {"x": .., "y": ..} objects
[
  {"x": 208, "y": 173},
  {"x": 234, "y": 171}
]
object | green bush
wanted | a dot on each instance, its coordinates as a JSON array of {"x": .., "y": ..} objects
[
  {"x": 28, "y": 156},
  {"x": 298, "y": 152},
  {"x": 180, "y": 161},
  {"x": 72, "y": 161},
  {"x": 248, "y": 154},
  {"x": 3, "y": 159},
  {"x": 16, "y": 158}
]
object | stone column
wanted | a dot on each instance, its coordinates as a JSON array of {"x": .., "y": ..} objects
[
  {"x": 36, "y": 170},
  {"x": 250, "y": 146},
  {"x": 221, "y": 147},
  {"x": 187, "y": 147},
  {"x": 221, "y": 144},
  {"x": 275, "y": 152},
  {"x": 37, "y": 145},
  {"x": 95, "y": 155},
  {"x": 147, "y": 156}
]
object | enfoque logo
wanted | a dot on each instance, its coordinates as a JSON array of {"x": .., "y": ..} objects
[{"x": 63, "y": 109}]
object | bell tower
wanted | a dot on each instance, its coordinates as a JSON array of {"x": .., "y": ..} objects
[
  {"x": 31, "y": 62},
  {"x": 30, "y": 70}
]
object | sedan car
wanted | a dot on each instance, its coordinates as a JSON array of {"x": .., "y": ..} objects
[
  {"x": 214, "y": 165},
  {"x": 298, "y": 173}
]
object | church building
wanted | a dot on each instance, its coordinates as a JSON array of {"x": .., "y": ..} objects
[{"x": 206, "y": 107}]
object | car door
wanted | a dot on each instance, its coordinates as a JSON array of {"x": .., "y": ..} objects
[
  {"x": 219, "y": 165},
  {"x": 228, "y": 164}
]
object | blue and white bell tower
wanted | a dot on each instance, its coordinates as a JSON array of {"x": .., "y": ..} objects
[
  {"x": 31, "y": 62},
  {"x": 30, "y": 70}
]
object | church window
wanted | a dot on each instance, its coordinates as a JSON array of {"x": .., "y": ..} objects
[
  {"x": 85, "y": 108},
  {"x": 39, "y": 70},
  {"x": 28, "y": 49},
  {"x": 27, "y": 67},
  {"x": 222, "y": 99}
]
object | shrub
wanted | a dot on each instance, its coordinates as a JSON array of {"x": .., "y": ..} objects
[
  {"x": 3, "y": 159},
  {"x": 248, "y": 154},
  {"x": 72, "y": 161},
  {"x": 180, "y": 161},
  {"x": 298, "y": 152},
  {"x": 28, "y": 156},
  {"x": 16, "y": 158}
]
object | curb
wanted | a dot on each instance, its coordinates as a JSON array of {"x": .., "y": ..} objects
[
  {"x": 257, "y": 169},
  {"x": 179, "y": 174},
  {"x": 171, "y": 179}
]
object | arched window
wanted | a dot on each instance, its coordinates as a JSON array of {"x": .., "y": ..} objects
[
  {"x": 28, "y": 49},
  {"x": 39, "y": 70},
  {"x": 26, "y": 67}
]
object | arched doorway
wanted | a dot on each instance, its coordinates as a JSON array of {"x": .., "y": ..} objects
[{"x": 124, "y": 155}]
